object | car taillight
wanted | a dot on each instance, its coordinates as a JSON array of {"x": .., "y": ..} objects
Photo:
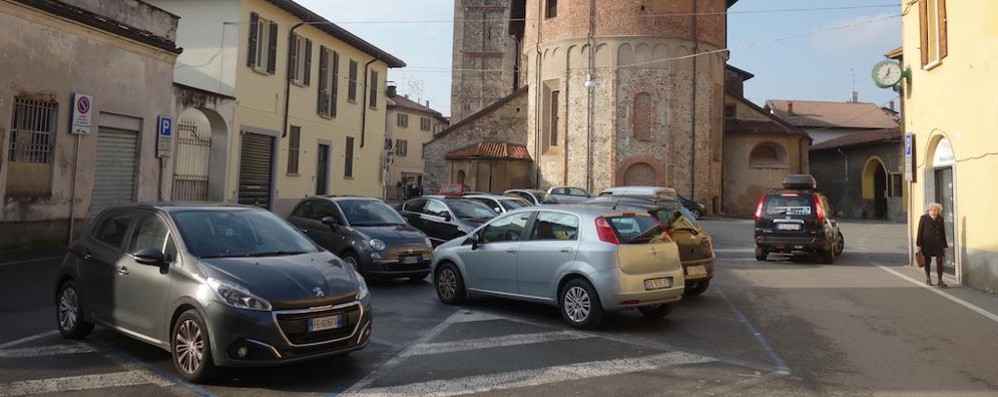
[
  {"x": 605, "y": 231},
  {"x": 819, "y": 210},
  {"x": 758, "y": 208}
]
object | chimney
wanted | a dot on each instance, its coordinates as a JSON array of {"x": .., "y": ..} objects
[
  {"x": 854, "y": 97},
  {"x": 891, "y": 105},
  {"x": 427, "y": 103},
  {"x": 790, "y": 107}
]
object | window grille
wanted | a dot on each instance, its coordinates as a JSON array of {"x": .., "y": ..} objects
[{"x": 32, "y": 131}]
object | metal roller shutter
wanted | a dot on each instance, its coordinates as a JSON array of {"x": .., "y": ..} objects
[
  {"x": 256, "y": 170},
  {"x": 115, "y": 170}
]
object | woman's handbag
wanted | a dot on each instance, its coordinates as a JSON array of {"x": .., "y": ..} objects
[{"x": 920, "y": 259}]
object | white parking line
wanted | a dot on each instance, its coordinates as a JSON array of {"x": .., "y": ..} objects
[
  {"x": 27, "y": 339},
  {"x": 989, "y": 315},
  {"x": 534, "y": 377},
  {"x": 488, "y": 343},
  {"x": 43, "y": 351},
  {"x": 73, "y": 383},
  {"x": 50, "y": 258}
]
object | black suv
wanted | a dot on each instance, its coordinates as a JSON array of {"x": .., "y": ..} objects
[{"x": 797, "y": 220}]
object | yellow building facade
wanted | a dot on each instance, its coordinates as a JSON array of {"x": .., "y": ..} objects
[
  {"x": 950, "y": 107},
  {"x": 410, "y": 125}
]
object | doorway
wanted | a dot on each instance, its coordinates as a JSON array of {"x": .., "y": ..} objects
[
  {"x": 944, "y": 196},
  {"x": 880, "y": 193},
  {"x": 256, "y": 170},
  {"x": 322, "y": 170}
]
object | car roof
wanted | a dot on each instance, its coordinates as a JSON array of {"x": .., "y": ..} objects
[
  {"x": 524, "y": 190},
  {"x": 492, "y": 196},
  {"x": 184, "y": 206},
  {"x": 344, "y": 198},
  {"x": 578, "y": 209},
  {"x": 641, "y": 190}
]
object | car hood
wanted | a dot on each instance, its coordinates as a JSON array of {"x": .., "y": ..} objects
[
  {"x": 396, "y": 234},
  {"x": 294, "y": 281}
]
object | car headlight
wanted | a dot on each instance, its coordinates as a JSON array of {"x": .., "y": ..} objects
[
  {"x": 362, "y": 291},
  {"x": 429, "y": 243},
  {"x": 237, "y": 296},
  {"x": 377, "y": 244}
]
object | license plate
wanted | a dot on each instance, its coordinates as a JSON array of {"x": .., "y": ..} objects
[
  {"x": 699, "y": 270},
  {"x": 658, "y": 283},
  {"x": 410, "y": 260},
  {"x": 323, "y": 323},
  {"x": 787, "y": 226}
]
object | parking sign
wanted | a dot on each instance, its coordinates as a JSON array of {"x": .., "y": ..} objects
[
  {"x": 909, "y": 157},
  {"x": 164, "y": 141},
  {"x": 82, "y": 111}
]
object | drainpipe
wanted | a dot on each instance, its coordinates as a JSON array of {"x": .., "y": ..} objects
[
  {"x": 693, "y": 106},
  {"x": 363, "y": 109},
  {"x": 591, "y": 86},
  {"x": 287, "y": 80},
  {"x": 847, "y": 164},
  {"x": 538, "y": 97}
]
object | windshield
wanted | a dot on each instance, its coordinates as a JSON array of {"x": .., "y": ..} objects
[
  {"x": 467, "y": 209},
  {"x": 512, "y": 204},
  {"x": 370, "y": 213},
  {"x": 546, "y": 198},
  {"x": 219, "y": 234}
]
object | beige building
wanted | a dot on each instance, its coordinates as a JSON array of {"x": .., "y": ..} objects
[
  {"x": 119, "y": 53},
  {"x": 310, "y": 100},
  {"x": 410, "y": 125},
  {"x": 825, "y": 120},
  {"x": 949, "y": 106}
]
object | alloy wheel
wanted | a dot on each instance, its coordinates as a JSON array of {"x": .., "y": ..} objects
[
  {"x": 447, "y": 283},
  {"x": 189, "y": 344},
  {"x": 69, "y": 309},
  {"x": 577, "y": 304},
  {"x": 352, "y": 261}
]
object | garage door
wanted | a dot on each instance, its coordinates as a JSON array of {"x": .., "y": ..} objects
[
  {"x": 116, "y": 168},
  {"x": 256, "y": 170}
]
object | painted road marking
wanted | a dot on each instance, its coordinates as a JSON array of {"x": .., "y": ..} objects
[
  {"x": 27, "y": 339},
  {"x": 989, "y": 315},
  {"x": 150, "y": 372},
  {"x": 44, "y": 351},
  {"x": 73, "y": 383},
  {"x": 26, "y": 261},
  {"x": 777, "y": 360},
  {"x": 535, "y": 377},
  {"x": 498, "y": 341}
]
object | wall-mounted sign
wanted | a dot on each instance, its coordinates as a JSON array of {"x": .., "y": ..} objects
[
  {"x": 910, "y": 158},
  {"x": 82, "y": 112},
  {"x": 164, "y": 140},
  {"x": 943, "y": 156}
]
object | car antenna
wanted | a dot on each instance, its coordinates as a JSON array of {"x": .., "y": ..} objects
[{"x": 615, "y": 203}]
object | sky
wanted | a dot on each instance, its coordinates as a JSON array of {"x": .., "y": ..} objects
[{"x": 803, "y": 55}]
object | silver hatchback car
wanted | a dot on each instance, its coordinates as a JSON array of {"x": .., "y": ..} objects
[{"x": 586, "y": 261}]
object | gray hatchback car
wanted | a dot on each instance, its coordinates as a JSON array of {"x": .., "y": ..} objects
[
  {"x": 584, "y": 260},
  {"x": 217, "y": 286}
]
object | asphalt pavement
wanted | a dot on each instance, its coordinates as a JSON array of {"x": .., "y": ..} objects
[{"x": 862, "y": 326}]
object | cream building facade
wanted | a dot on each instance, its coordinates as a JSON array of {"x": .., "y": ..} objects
[
  {"x": 949, "y": 105},
  {"x": 310, "y": 104},
  {"x": 410, "y": 125}
]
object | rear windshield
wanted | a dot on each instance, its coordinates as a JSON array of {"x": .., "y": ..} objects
[
  {"x": 546, "y": 198},
  {"x": 468, "y": 209},
  {"x": 789, "y": 204},
  {"x": 637, "y": 229},
  {"x": 512, "y": 204}
]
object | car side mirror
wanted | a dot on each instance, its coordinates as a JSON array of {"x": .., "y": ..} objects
[
  {"x": 331, "y": 221},
  {"x": 497, "y": 210},
  {"x": 475, "y": 241},
  {"x": 447, "y": 217},
  {"x": 150, "y": 256}
]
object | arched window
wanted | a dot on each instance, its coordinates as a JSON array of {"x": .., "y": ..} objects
[
  {"x": 641, "y": 116},
  {"x": 768, "y": 154}
]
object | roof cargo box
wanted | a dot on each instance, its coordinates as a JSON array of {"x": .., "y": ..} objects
[{"x": 799, "y": 181}]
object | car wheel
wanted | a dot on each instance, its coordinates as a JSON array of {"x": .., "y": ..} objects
[
  {"x": 840, "y": 244},
  {"x": 828, "y": 256},
  {"x": 70, "y": 315},
  {"x": 450, "y": 285},
  {"x": 351, "y": 259},
  {"x": 580, "y": 305},
  {"x": 761, "y": 254},
  {"x": 191, "y": 348},
  {"x": 657, "y": 311},
  {"x": 418, "y": 278},
  {"x": 696, "y": 288}
]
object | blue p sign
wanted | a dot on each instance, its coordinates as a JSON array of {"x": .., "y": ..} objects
[{"x": 165, "y": 126}]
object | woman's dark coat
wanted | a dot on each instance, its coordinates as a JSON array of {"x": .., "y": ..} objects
[{"x": 931, "y": 235}]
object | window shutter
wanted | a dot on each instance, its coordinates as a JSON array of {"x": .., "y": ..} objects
[
  {"x": 923, "y": 25},
  {"x": 293, "y": 59},
  {"x": 307, "y": 78},
  {"x": 323, "y": 67},
  {"x": 942, "y": 24},
  {"x": 374, "y": 89},
  {"x": 254, "y": 35},
  {"x": 272, "y": 49},
  {"x": 336, "y": 82}
]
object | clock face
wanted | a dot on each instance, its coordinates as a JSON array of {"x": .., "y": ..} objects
[{"x": 887, "y": 74}]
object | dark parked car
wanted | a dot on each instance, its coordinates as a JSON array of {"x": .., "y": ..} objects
[
  {"x": 534, "y": 196},
  {"x": 797, "y": 220},
  {"x": 219, "y": 286},
  {"x": 367, "y": 233},
  {"x": 696, "y": 209},
  {"x": 445, "y": 218},
  {"x": 499, "y": 204},
  {"x": 696, "y": 247}
]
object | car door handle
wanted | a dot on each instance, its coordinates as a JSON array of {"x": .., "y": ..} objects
[
  {"x": 122, "y": 271},
  {"x": 566, "y": 250},
  {"x": 303, "y": 230},
  {"x": 511, "y": 251},
  {"x": 88, "y": 257}
]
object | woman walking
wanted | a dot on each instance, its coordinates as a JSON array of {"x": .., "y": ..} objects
[{"x": 931, "y": 241}]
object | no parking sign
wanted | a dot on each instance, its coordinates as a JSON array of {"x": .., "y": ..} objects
[{"x": 82, "y": 111}]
